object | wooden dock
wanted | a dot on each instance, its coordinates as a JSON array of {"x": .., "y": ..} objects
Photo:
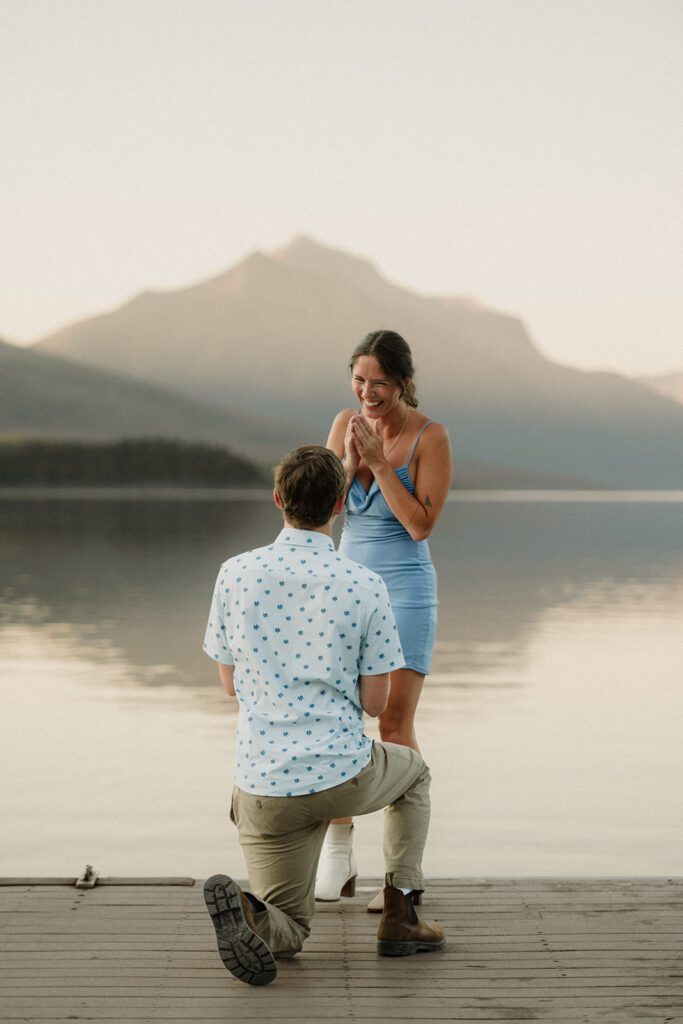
[{"x": 594, "y": 951}]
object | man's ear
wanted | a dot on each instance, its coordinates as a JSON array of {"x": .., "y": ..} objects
[
  {"x": 276, "y": 498},
  {"x": 338, "y": 506}
]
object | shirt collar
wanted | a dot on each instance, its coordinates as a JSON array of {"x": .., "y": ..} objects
[{"x": 304, "y": 539}]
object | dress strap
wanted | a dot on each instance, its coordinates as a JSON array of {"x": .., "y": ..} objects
[{"x": 412, "y": 451}]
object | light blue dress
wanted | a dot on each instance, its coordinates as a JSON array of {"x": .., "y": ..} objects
[{"x": 374, "y": 537}]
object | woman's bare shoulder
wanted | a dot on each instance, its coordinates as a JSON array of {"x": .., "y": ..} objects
[
  {"x": 436, "y": 433},
  {"x": 343, "y": 417},
  {"x": 434, "y": 439},
  {"x": 341, "y": 422},
  {"x": 433, "y": 457},
  {"x": 436, "y": 430}
]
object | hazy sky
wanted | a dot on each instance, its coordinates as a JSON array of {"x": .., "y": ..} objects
[{"x": 520, "y": 151}]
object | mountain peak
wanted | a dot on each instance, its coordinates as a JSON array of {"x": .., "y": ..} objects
[
  {"x": 304, "y": 253},
  {"x": 256, "y": 266}
]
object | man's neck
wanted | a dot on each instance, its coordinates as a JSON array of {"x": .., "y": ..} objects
[{"x": 326, "y": 530}]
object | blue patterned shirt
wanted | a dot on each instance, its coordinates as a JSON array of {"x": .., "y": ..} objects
[{"x": 300, "y": 623}]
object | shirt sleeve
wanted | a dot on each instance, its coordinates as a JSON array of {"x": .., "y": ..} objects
[
  {"x": 216, "y": 643},
  {"x": 380, "y": 649}
]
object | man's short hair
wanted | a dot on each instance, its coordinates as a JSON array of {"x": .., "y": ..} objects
[{"x": 309, "y": 481}]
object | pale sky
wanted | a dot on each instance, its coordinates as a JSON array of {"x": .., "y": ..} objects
[{"x": 523, "y": 152}]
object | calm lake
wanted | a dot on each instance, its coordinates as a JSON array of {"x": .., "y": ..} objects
[{"x": 552, "y": 720}]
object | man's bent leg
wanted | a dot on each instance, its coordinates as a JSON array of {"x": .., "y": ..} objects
[
  {"x": 406, "y": 824},
  {"x": 397, "y": 779},
  {"x": 281, "y": 846},
  {"x": 281, "y": 838}
]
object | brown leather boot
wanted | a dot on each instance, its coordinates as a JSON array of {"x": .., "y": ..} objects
[{"x": 401, "y": 932}]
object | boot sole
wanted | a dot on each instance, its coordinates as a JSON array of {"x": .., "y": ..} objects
[
  {"x": 242, "y": 951},
  {"x": 386, "y": 948}
]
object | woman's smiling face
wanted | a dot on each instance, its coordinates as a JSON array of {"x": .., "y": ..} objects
[{"x": 377, "y": 393}]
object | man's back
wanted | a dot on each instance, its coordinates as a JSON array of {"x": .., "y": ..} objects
[{"x": 300, "y": 623}]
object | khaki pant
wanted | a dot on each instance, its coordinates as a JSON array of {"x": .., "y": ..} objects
[{"x": 281, "y": 838}]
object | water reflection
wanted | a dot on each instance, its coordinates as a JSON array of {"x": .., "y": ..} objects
[
  {"x": 549, "y": 720},
  {"x": 131, "y": 580}
]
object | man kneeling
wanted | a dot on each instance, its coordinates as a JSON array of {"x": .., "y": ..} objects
[{"x": 306, "y": 639}]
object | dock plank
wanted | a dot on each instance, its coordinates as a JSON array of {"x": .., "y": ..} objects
[{"x": 597, "y": 951}]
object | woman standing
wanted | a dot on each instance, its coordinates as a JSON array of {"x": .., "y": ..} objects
[{"x": 398, "y": 470}]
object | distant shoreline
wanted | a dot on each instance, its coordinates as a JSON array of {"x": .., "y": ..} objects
[{"x": 106, "y": 492}]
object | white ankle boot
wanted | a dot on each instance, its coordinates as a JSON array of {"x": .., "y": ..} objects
[{"x": 337, "y": 868}]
